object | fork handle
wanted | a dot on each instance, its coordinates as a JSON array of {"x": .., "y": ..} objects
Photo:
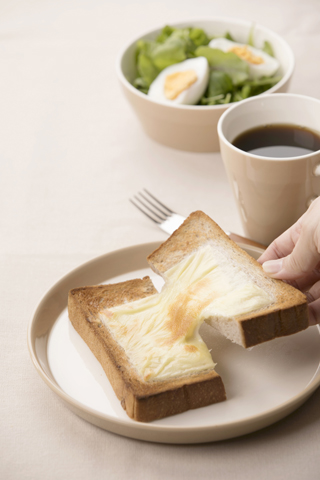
[{"x": 238, "y": 238}]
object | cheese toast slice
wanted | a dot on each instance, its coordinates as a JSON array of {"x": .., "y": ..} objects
[
  {"x": 283, "y": 314},
  {"x": 143, "y": 400}
]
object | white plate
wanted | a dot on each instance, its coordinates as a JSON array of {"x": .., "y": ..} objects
[{"x": 263, "y": 384}]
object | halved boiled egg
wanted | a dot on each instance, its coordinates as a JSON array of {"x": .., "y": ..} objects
[
  {"x": 260, "y": 63},
  {"x": 183, "y": 83}
]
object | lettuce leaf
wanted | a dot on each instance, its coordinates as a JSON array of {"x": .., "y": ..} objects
[
  {"x": 172, "y": 51},
  {"x": 268, "y": 48},
  {"x": 219, "y": 83},
  {"x": 147, "y": 70},
  {"x": 199, "y": 37},
  {"x": 227, "y": 62},
  {"x": 165, "y": 33}
]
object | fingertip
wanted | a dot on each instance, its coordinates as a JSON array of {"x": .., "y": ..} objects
[
  {"x": 314, "y": 316},
  {"x": 272, "y": 267},
  {"x": 268, "y": 254},
  {"x": 260, "y": 259}
]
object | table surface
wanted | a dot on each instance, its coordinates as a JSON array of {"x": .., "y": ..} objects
[{"x": 72, "y": 153}]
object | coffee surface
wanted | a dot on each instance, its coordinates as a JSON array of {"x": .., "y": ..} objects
[{"x": 278, "y": 141}]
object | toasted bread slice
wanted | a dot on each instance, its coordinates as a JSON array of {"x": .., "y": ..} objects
[
  {"x": 143, "y": 401},
  {"x": 286, "y": 314}
]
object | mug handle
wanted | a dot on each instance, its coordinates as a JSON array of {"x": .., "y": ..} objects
[{"x": 315, "y": 172}]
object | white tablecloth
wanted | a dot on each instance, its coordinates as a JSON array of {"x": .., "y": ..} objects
[{"x": 72, "y": 153}]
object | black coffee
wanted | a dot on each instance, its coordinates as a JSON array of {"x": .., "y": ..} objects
[{"x": 278, "y": 141}]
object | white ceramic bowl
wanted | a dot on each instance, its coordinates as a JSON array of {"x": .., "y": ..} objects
[{"x": 194, "y": 128}]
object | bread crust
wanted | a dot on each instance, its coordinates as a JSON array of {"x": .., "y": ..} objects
[{"x": 143, "y": 401}]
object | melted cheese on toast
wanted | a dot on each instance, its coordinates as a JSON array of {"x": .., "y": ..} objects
[{"x": 160, "y": 333}]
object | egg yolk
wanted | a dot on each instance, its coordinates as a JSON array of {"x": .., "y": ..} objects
[
  {"x": 245, "y": 54},
  {"x": 177, "y": 82}
]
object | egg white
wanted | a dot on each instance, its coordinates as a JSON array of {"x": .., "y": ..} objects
[
  {"x": 269, "y": 66},
  {"x": 192, "y": 94}
]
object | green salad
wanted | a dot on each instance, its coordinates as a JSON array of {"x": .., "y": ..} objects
[{"x": 235, "y": 71}]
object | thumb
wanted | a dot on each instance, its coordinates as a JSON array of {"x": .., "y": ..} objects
[{"x": 301, "y": 261}]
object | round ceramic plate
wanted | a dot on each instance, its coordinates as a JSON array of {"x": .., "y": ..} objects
[{"x": 263, "y": 384}]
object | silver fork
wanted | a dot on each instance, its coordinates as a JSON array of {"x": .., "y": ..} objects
[
  {"x": 168, "y": 220},
  {"x": 163, "y": 216}
]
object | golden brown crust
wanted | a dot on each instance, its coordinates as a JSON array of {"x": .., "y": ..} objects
[
  {"x": 95, "y": 298},
  {"x": 197, "y": 230},
  {"x": 286, "y": 315},
  {"x": 143, "y": 401},
  {"x": 279, "y": 323}
]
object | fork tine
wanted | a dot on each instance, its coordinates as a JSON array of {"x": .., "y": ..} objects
[
  {"x": 165, "y": 214},
  {"x": 158, "y": 201},
  {"x": 162, "y": 217},
  {"x": 145, "y": 213}
]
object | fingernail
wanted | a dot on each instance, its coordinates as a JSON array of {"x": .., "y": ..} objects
[{"x": 272, "y": 266}]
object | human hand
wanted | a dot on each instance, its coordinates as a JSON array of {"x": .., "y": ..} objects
[{"x": 294, "y": 257}]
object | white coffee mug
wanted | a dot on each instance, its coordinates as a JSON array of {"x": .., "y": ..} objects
[{"x": 271, "y": 193}]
